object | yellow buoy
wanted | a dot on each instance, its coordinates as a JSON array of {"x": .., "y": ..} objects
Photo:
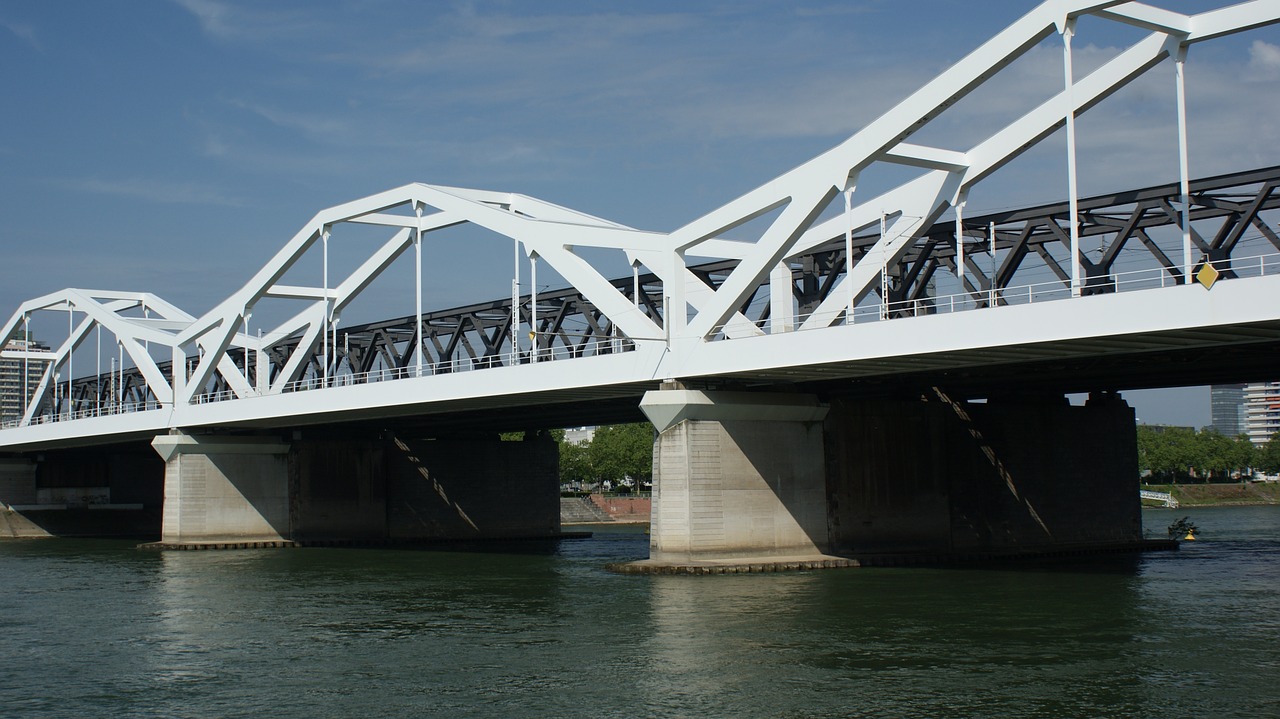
[{"x": 1190, "y": 537}]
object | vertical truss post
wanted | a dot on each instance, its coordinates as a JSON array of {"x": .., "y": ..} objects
[
  {"x": 324, "y": 331},
  {"x": 1179, "y": 63},
  {"x": 884, "y": 268},
  {"x": 676, "y": 316},
  {"x": 417, "y": 292},
  {"x": 119, "y": 393},
  {"x": 515, "y": 302},
  {"x": 71, "y": 358},
  {"x": 263, "y": 361},
  {"x": 97, "y": 370},
  {"x": 178, "y": 368},
  {"x": 991, "y": 249},
  {"x": 782, "y": 316},
  {"x": 848, "y": 252},
  {"x": 533, "y": 306},
  {"x": 961, "y": 199},
  {"x": 333, "y": 326},
  {"x": 635, "y": 283},
  {"x": 26, "y": 364},
  {"x": 248, "y": 313},
  {"x": 1068, "y": 30}
]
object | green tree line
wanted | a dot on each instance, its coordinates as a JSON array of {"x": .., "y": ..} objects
[
  {"x": 1181, "y": 454},
  {"x": 615, "y": 452}
]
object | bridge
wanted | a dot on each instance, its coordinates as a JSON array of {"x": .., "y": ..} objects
[{"x": 892, "y": 319}]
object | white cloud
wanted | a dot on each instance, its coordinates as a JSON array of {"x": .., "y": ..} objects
[
  {"x": 213, "y": 15},
  {"x": 310, "y": 124},
  {"x": 237, "y": 23},
  {"x": 23, "y": 32},
  {"x": 1264, "y": 60},
  {"x": 158, "y": 191}
]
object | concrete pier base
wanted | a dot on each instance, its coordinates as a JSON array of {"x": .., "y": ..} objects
[
  {"x": 322, "y": 489},
  {"x": 221, "y": 489},
  {"x": 736, "y": 475}
]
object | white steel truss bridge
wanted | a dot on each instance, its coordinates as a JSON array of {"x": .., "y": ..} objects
[{"x": 800, "y": 280}]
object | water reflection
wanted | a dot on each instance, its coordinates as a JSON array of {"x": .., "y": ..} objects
[
  {"x": 894, "y": 642},
  {"x": 718, "y": 637},
  {"x": 100, "y": 629}
]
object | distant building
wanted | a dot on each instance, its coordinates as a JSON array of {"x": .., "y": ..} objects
[
  {"x": 1227, "y": 409},
  {"x": 14, "y": 391},
  {"x": 581, "y": 435},
  {"x": 1262, "y": 411}
]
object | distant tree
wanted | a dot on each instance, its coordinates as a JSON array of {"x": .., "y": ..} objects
[
  {"x": 622, "y": 450},
  {"x": 556, "y": 435},
  {"x": 1214, "y": 453},
  {"x": 575, "y": 463},
  {"x": 1245, "y": 456},
  {"x": 1268, "y": 459},
  {"x": 1168, "y": 453},
  {"x": 1178, "y": 453}
]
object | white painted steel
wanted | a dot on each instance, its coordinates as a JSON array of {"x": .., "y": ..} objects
[{"x": 703, "y": 331}]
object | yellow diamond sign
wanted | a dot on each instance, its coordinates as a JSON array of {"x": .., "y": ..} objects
[{"x": 1207, "y": 276}]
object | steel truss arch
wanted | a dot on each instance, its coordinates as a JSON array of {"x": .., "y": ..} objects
[{"x": 708, "y": 280}]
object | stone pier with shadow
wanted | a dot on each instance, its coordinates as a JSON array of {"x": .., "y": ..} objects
[
  {"x": 756, "y": 482},
  {"x": 324, "y": 489}
]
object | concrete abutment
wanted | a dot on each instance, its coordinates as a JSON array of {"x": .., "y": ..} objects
[{"x": 111, "y": 491}]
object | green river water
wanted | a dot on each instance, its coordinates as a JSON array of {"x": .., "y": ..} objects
[{"x": 100, "y": 629}]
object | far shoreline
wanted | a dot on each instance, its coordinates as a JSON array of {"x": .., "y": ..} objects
[{"x": 1240, "y": 494}]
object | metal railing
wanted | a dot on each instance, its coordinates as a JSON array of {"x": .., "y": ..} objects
[
  {"x": 101, "y": 411},
  {"x": 1034, "y": 293},
  {"x": 1155, "y": 496},
  {"x": 428, "y": 369},
  {"x": 349, "y": 379}
]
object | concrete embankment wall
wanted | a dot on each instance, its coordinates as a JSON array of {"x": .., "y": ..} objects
[
  {"x": 624, "y": 509},
  {"x": 97, "y": 492}
]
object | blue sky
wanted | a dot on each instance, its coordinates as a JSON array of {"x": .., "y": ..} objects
[{"x": 173, "y": 146}]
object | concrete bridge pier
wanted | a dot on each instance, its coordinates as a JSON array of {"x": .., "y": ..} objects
[
  {"x": 331, "y": 487},
  {"x": 224, "y": 489},
  {"x": 755, "y": 481},
  {"x": 737, "y": 476}
]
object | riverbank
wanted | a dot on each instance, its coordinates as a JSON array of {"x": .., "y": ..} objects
[
  {"x": 599, "y": 508},
  {"x": 1210, "y": 495}
]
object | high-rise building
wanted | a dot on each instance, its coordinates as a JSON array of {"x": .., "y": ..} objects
[
  {"x": 1227, "y": 409},
  {"x": 15, "y": 390},
  {"x": 1262, "y": 411}
]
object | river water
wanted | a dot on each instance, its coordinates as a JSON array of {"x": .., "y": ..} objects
[{"x": 100, "y": 629}]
